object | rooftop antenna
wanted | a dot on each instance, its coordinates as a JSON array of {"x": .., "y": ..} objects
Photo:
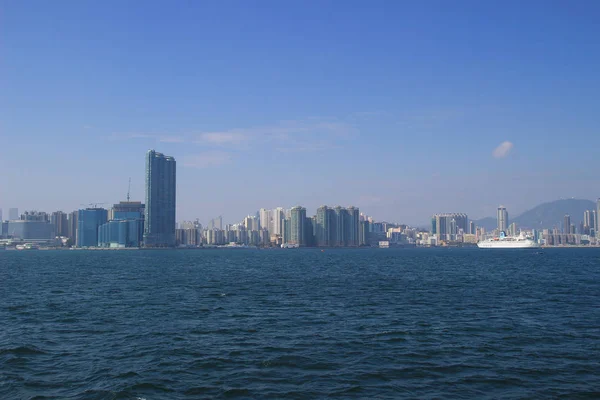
[{"x": 128, "y": 189}]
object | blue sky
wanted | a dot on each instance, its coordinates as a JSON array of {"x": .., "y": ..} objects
[{"x": 392, "y": 106}]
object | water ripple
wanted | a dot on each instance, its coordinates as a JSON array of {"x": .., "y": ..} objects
[{"x": 300, "y": 324}]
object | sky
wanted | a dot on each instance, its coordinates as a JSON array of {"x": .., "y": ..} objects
[{"x": 403, "y": 109}]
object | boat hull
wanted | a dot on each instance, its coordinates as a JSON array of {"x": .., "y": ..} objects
[{"x": 520, "y": 244}]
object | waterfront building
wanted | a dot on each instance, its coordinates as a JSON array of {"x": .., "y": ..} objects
[
  {"x": 72, "y": 226},
  {"x": 264, "y": 237},
  {"x": 363, "y": 233},
  {"x": 215, "y": 237},
  {"x": 32, "y": 225},
  {"x": 126, "y": 227},
  {"x": 297, "y": 226},
  {"x": 1, "y": 215},
  {"x": 472, "y": 228},
  {"x": 502, "y": 219},
  {"x": 322, "y": 227},
  {"x": 13, "y": 214},
  {"x": 59, "y": 220},
  {"x": 309, "y": 231},
  {"x": 512, "y": 229},
  {"x": 251, "y": 223},
  {"x": 189, "y": 237},
  {"x": 449, "y": 226},
  {"x": 121, "y": 233},
  {"x": 265, "y": 219},
  {"x": 286, "y": 230},
  {"x": 277, "y": 217},
  {"x": 159, "y": 229},
  {"x": 351, "y": 224},
  {"x": 254, "y": 238},
  {"x": 337, "y": 227},
  {"x": 567, "y": 224},
  {"x": 88, "y": 224},
  {"x": 588, "y": 223}
]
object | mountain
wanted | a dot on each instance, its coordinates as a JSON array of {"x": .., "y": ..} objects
[
  {"x": 546, "y": 215},
  {"x": 549, "y": 215}
]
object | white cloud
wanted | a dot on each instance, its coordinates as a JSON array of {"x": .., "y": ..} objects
[
  {"x": 503, "y": 150},
  {"x": 310, "y": 134},
  {"x": 207, "y": 159}
]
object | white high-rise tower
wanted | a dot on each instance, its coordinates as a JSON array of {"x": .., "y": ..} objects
[{"x": 265, "y": 219}]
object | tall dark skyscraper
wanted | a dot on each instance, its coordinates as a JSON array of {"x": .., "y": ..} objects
[
  {"x": 502, "y": 219},
  {"x": 567, "y": 224},
  {"x": 297, "y": 226},
  {"x": 159, "y": 228}
]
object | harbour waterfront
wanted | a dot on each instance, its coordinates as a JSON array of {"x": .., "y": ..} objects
[{"x": 300, "y": 323}]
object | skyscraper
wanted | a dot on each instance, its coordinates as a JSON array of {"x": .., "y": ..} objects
[
  {"x": 59, "y": 220},
  {"x": 447, "y": 226},
  {"x": 72, "y": 226},
  {"x": 567, "y": 224},
  {"x": 277, "y": 216},
  {"x": 297, "y": 226},
  {"x": 587, "y": 222},
  {"x": 13, "y": 214},
  {"x": 159, "y": 228},
  {"x": 337, "y": 227},
  {"x": 502, "y": 218},
  {"x": 351, "y": 223},
  {"x": 322, "y": 227},
  {"x": 265, "y": 219},
  {"x": 251, "y": 223}
]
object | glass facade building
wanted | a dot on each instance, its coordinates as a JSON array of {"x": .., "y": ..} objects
[
  {"x": 159, "y": 230},
  {"x": 126, "y": 228},
  {"x": 297, "y": 228},
  {"x": 88, "y": 224},
  {"x": 121, "y": 233}
]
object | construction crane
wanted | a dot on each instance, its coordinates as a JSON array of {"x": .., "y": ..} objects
[{"x": 92, "y": 205}]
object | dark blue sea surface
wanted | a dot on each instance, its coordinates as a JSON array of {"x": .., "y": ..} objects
[{"x": 300, "y": 324}]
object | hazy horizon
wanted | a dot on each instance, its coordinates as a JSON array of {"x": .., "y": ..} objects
[{"x": 403, "y": 110}]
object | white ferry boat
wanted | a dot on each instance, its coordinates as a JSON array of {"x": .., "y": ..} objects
[
  {"x": 508, "y": 242},
  {"x": 27, "y": 246}
]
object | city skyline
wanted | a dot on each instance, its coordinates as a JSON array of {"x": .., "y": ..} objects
[{"x": 402, "y": 109}]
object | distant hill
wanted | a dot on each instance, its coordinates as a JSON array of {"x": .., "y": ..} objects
[
  {"x": 549, "y": 215},
  {"x": 546, "y": 215}
]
